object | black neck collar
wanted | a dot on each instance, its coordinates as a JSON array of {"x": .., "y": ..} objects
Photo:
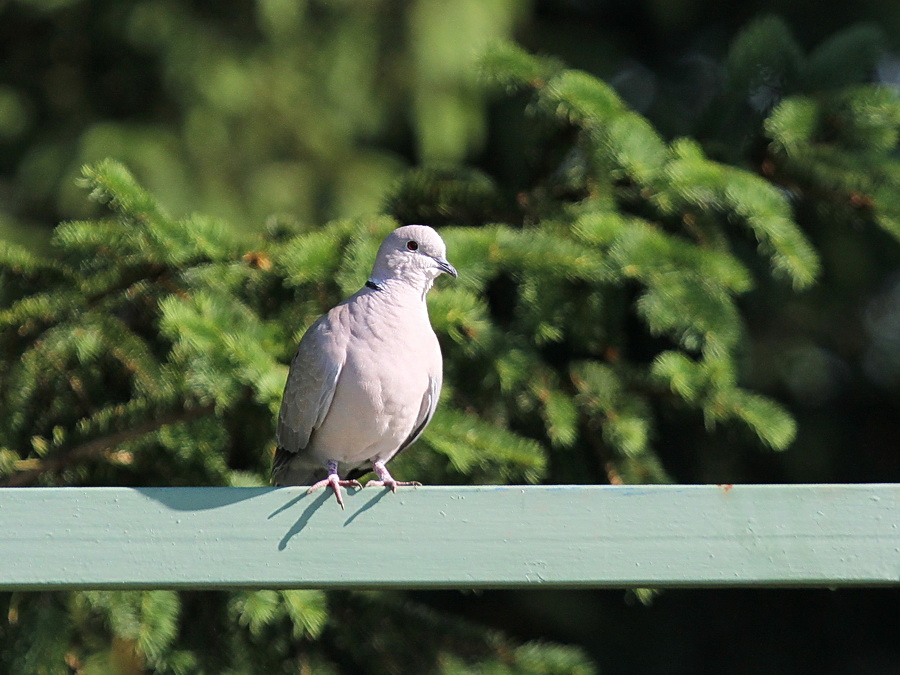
[{"x": 371, "y": 284}]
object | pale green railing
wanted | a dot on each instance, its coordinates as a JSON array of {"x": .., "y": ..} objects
[{"x": 451, "y": 537}]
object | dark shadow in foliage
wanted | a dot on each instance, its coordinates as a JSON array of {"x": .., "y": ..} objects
[{"x": 447, "y": 196}]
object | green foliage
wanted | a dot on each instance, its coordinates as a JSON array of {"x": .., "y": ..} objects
[
  {"x": 37, "y": 634},
  {"x": 378, "y": 630},
  {"x": 830, "y": 134},
  {"x": 147, "y": 620},
  {"x": 649, "y": 231},
  {"x": 511, "y": 66},
  {"x": 602, "y": 301},
  {"x": 256, "y": 610},
  {"x": 845, "y": 59},
  {"x": 765, "y": 54},
  {"x": 152, "y": 350},
  {"x": 249, "y": 110},
  {"x": 841, "y": 143},
  {"x": 448, "y": 195}
]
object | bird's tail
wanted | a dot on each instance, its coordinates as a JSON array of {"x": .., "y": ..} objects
[{"x": 288, "y": 470}]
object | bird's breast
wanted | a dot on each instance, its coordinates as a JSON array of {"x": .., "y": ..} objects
[{"x": 382, "y": 384}]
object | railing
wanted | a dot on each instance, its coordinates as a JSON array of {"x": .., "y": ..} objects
[{"x": 451, "y": 537}]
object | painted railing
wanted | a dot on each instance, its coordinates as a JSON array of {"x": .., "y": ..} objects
[{"x": 451, "y": 537}]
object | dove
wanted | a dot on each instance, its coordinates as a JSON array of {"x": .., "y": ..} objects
[{"x": 366, "y": 377}]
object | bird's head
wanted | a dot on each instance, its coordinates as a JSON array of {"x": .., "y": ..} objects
[{"x": 412, "y": 254}]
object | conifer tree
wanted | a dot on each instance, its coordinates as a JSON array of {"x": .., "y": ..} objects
[{"x": 598, "y": 295}]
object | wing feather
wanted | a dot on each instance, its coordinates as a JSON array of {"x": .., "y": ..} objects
[
  {"x": 311, "y": 383},
  {"x": 426, "y": 411}
]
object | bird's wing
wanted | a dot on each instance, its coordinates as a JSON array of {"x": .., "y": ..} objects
[
  {"x": 311, "y": 383},
  {"x": 426, "y": 411}
]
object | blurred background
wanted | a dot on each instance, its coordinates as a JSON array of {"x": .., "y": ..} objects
[{"x": 285, "y": 111}]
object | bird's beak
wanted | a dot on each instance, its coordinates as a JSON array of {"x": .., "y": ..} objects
[{"x": 444, "y": 266}]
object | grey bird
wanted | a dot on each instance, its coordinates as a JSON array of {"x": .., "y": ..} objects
[{"x": 367, "y": 375}]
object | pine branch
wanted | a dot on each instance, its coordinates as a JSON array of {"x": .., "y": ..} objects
[{"x": 96, "y": 446}]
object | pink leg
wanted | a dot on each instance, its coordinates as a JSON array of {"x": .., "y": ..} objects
[
  {"x": 385, "y": 479},
  {"x": 334, "y": 482}
]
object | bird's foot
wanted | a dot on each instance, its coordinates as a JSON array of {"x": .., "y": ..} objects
[
  {"x": 393, "y": 484},
  {"x": 385, "y": 479},
  {"x": 335, "y": 483}
]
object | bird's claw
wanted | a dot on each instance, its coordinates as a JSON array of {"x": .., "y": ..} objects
[
  {"x": 335, "y": 483},
  {"x": 393, "y": 484}
]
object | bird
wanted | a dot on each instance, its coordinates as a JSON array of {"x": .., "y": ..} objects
[{"x": 366, "y": 377}]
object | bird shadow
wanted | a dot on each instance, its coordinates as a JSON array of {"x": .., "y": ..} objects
[
  {"x": 368, "y": 505},
  {"x": 304, "y": 518},
  {"x": 287, "y": 505},
  {"x": 308, "y": 512}
]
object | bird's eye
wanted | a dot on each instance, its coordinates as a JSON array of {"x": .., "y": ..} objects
[{"x": 412, "y": 245}]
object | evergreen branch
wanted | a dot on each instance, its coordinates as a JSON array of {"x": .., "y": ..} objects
[
  {"x": 111, "y": 183},
  {"x": 764, "y": 55},
  {"x": 511, "y": 66},
  {"x": 22, "y": 262},
  {"x": 96, "y": 446},
  {"x": 581, "y": 99},
  {"x": 100, "y": 244},
  {"x": 470, "y": 443},
  {"x": 39, "y": 308},
  {"x": 845, "y": 58}
]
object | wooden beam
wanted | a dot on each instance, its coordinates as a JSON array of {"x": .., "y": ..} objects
[{"x": 451, "y": 537}]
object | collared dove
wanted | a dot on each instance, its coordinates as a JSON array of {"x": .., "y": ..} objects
[{"x": 366, "y": 377}]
